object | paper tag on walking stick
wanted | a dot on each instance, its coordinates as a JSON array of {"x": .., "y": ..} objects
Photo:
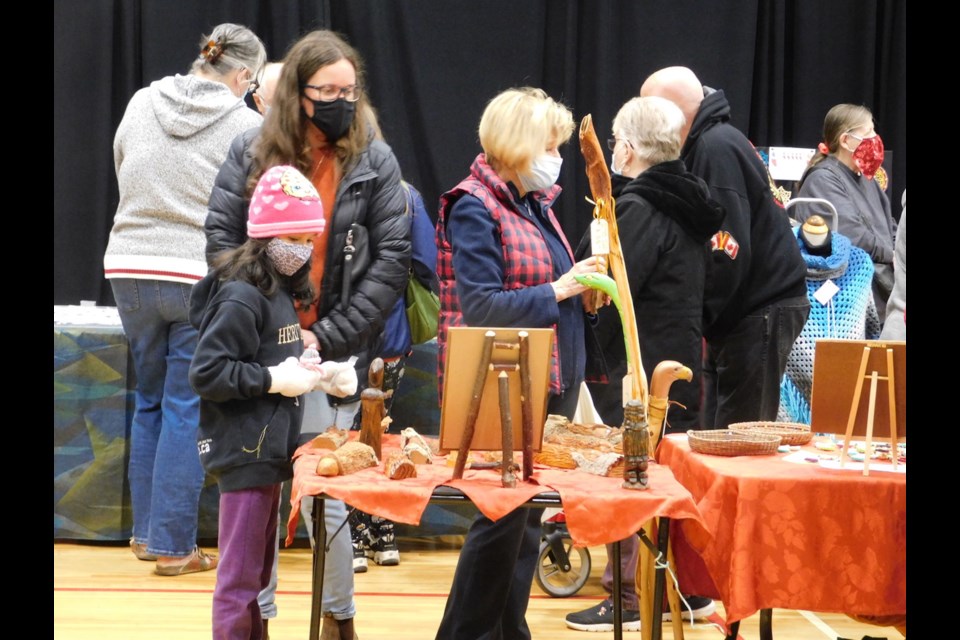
[
  {"x": 627, "y": 387},
  {"x": 599, "y": 237}
]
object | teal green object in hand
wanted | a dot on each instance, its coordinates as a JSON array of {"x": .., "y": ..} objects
[{"x": 606, "y": 284}]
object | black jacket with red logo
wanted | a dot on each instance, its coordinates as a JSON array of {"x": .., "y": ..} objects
[{"x": 754, "y": 260}]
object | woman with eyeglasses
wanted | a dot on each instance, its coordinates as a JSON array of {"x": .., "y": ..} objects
[
  {"x": 846, "y": 170},
  {"x": 321, "y": 122},
  {"x": 172, "y": 140}
]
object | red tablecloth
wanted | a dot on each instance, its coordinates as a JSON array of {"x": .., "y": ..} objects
[
  {"x": 789, "y": 535},
  {"x": 598, "y": 510}
]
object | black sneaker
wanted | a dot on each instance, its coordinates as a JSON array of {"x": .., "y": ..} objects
[
  {"x": 359, "y": 538},
  {"x": 600, "y": 618},
  {"x": 383, "y": 546},
  {"x": 702, "y": 608}
]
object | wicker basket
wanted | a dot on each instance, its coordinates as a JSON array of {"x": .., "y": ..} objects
[
  {"x": 792, "y": 433},
  {"x": 733, "y": 443}
]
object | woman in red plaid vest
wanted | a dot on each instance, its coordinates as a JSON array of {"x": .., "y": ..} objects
[{"x": 503, "y": 261}]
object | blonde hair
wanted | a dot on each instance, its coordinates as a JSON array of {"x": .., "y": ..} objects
[
  {"x": 517, "y": 125},
  {"x": 653, "y": 127}
]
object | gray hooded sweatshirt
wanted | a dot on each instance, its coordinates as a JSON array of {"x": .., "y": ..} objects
[{"x": 167, "y": 151}]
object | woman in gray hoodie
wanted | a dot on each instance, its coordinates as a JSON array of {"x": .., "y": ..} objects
[{"x": 168, "y": 148}]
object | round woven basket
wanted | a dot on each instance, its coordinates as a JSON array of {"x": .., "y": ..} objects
[
  {"x": 792, "y": 433},
  {"x": 733, "y": 443}
]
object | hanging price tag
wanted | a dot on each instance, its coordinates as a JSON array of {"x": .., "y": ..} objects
[
  {"x": 826, "y": 291},
  {"x": 599, "y": 237}
]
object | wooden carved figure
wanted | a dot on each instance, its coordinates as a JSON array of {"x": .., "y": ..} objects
[
  {"x": 373, "y": 410},
  {"x": 636, "y": 446}
]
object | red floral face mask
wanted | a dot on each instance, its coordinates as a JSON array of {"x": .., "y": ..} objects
[{"x": 868, "y": 155}]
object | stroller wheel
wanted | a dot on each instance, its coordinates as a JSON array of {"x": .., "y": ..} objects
[{"x": 554, "y": 577}]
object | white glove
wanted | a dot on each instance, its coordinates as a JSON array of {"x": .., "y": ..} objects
[
  {"x": 290, "y": 379},
  {"x": 338, "y": 378}
]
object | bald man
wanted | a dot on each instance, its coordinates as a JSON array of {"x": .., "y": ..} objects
[
  {"x": 755, "y": 302},
  {"x": 263, "y": 96}
]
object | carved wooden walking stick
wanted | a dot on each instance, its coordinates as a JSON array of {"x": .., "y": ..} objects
[
  {"x": 599, "y": 178},
  {"x": 664, "y": 375},
  {"x": 619, "y": 291}
]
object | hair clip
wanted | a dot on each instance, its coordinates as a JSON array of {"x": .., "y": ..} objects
[
  {"x": 212, "y": 51},
  {"x": 822, "y": 148}
]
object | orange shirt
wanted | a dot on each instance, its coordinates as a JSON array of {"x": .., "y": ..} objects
[{"x": 325, "y": 177}]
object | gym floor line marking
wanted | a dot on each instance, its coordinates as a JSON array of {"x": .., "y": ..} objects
[{"x": 815, "y": 620}]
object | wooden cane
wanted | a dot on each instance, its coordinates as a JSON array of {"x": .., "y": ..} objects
[
  {"x": 473, "y": 412},
  {"x": 673, "y": 599},
  {"x": 664, "y": 375},
  {"x": 644, "y": 579}
]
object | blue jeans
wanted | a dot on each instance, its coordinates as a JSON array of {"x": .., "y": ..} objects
[
  {"x": 337, "y": 598},
  {"x": 165, "y": 472}
]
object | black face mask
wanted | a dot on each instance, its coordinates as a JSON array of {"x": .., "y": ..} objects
[{"x": 333, "y": 118}]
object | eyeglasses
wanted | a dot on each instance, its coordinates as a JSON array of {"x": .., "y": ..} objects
[
  {"x": 612, "y": 143},
  {"x": 871, "y": 133},
  {"x": 331, "y": 92}
]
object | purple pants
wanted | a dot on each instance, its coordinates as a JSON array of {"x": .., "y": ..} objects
[
  {"x": 629, "y": 554},
  {"x": 247, "y": 537}
]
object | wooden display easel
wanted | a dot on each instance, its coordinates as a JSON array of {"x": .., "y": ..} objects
[
  {"x": 500, "y": 355},
  {"x": 832, "y": 382}
]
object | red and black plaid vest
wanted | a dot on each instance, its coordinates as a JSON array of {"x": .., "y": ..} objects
[{"x": 526, "y": 257}]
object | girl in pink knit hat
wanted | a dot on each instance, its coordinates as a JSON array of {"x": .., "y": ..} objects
[{"x": 248, "y": 374}]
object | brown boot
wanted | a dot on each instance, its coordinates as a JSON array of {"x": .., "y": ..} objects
[{"x": 334, "y": 629}]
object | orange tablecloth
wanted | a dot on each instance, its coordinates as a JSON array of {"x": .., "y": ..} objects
[
  {"x": 789, "y": 535},
  {"x": 598, "y": 510}
]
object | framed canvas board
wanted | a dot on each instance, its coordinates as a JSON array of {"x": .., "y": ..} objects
[
  {"x": 836, "y": 369},
  {"x": 464, "y": 351}
]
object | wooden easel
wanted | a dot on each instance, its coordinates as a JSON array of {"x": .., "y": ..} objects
[
  {"x": 874, "y": 378},
  {"x": 488, "y": 365}
]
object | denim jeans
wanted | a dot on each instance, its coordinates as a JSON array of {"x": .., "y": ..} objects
[
  {"x": 165, "y": 472},
  {"x": 337, "y": 598}
]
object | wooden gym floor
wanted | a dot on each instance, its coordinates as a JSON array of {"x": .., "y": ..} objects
[{"x": 101, "y": 592}]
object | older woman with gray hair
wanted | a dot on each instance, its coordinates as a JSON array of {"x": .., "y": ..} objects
[
  {"x": 665, "y": 217},
  {"x": 167, "y": 150}
]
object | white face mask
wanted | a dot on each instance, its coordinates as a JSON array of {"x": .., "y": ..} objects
[{"x": 544, "y": 171}]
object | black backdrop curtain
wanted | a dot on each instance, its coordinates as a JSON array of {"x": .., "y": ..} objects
[{"x": 433, "y": 65}]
